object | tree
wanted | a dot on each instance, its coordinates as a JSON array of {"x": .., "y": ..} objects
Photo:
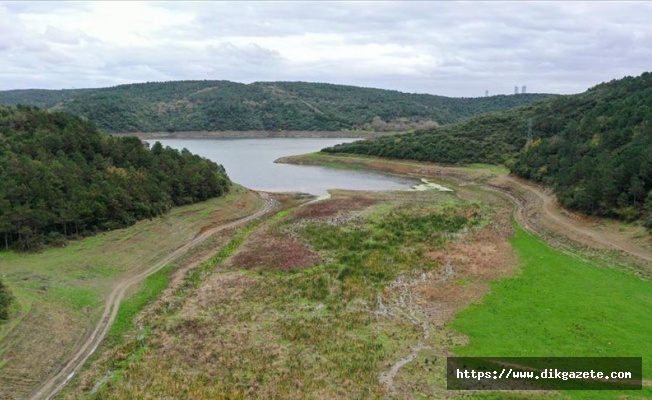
[
  {"x": 5, "y": 301},
  {"x": 60, "y": 176}
]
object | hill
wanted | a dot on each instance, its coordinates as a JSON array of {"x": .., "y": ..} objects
[
  {"x": 61, "y": 177},
  {"x": 593, "y": 148},
  {"x": 271, "y": 106}
]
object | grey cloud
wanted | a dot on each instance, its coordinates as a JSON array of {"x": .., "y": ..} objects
[
  {"x": 550, "y": 46},
  {"x": 58, "y": 35},
  {"x": 224, "y": 61},
  {"x": 11, "y": 29},
  {"x": 243, "y": 55},
  {"x": 38, "y": 7}
]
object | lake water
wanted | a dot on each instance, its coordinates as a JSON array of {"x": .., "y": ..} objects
[{"x": 250, "y": 162}]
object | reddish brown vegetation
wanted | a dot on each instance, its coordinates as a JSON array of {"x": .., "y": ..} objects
[
  {"x": 335, "y": 206},
  {"x": 467, "y": 267},
  {"x": 265, "y": 251}
]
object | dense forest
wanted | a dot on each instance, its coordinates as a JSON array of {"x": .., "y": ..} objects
[
  {"x": 270, "y": 106},
  {"x": 600, "y": 160},
  {"x": 60, "y": 177},
  {"x": 491, "y": 138},
  {"x": 593, "y": 148}
]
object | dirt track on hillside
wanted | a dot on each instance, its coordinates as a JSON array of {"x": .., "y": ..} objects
[
  {"x": 57, "y": 381},
  {"x": 536, "y": 207},
  {"x": 536, "y": 210}
]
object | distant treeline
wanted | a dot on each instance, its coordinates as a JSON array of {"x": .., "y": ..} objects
[
  {"x": 61, "y": 177},
  {"x": 271, "y": 106},
  {"x": 593, "y": 148}
]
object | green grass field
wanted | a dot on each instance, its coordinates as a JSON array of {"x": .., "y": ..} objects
[
  {"x": 149, "y": 290},
  {"x": 559, "y": 305},
  {"x": 77, "y": 275}
]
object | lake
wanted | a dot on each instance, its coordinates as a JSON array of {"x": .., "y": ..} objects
[{"x": 250, "y": 162}]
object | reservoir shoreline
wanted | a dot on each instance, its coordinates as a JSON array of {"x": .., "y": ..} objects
[
  {"x": 251, "y": 162},
  {"x": 255, "y": 134}
]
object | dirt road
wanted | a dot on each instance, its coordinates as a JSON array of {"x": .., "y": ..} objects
[
  {"x": 537, "y": 212},
  {"x": 56, "y": 382},
  {"x": 535, "y": 209}
]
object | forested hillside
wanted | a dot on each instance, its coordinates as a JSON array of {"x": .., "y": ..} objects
[
  {"x": 41, "y": 98},
  {"x": 594, "y": 148},
  {"x": 224, "y": 105},
  {"x": 490, "y": 138},
  {"x": 600, "y": 160},
  {"x": 61, "y": 177}
]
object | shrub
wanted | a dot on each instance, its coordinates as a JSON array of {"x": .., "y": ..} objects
[{"x": 5, "y": 301}]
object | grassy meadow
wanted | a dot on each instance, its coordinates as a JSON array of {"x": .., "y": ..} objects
[{"x": 559, "y": 305}]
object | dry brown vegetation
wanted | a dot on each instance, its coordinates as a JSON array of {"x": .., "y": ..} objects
[
  {"x": 266, "y": 251},
  {"x": 428, "y": 301},
  {"x": 467, "y": 266},
  {"x": 335, "y": 206},
  {"x": 276, "y": 321},
  {"x": 61, "y": 291},
  {"x": 269, "y": 249},
  {"x": 279, "y": 320}
]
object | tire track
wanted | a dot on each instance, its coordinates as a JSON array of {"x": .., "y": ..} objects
[
  {"x": 61, "y": 378},
  {"x": 554, "y": 219},
  {"x": 546, "y": 210}
]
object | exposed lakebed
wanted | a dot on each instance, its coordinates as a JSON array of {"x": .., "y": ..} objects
[{"x": 250, "y": 162}]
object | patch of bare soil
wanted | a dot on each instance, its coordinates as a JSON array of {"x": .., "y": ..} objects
[
  {"x": 430, "y": 300},
  {"x": 467, "y": 268},
  {"x": 536, "y": 207},
  {"x": 538, "y": 211},
  {"x": 244, "y": 206},
  {"x": 396, "y": 167},
  {"x": 218, "y": 290}
]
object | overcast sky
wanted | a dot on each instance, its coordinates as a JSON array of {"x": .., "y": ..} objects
[{"x": 452, "y": 49}]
